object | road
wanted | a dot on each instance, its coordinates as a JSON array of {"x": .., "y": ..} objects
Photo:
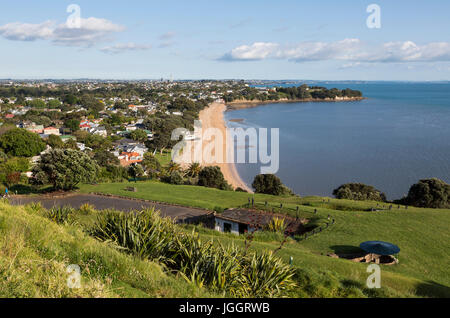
[{"x": 179, "y": 213}]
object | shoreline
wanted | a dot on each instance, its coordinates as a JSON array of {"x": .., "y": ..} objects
[
  {"x": 242, "y": 104},
  {"x": 213, "y": 116}
]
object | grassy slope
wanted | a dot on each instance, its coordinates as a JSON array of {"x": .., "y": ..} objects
[
  {"x": 35, "y": 253},
  {"x": 422, "y": 234}
]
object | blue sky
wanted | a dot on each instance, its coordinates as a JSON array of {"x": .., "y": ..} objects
[{"x": 286, "y": 39}]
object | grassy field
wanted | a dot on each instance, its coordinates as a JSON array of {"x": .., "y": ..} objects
[
  {"x": 35, "y": 253},
  {"x": 422, "y": 234}
]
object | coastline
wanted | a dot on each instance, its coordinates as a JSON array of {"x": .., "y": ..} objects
[
  {"x": 212, "y": 116},
  {"x": 241, "y": 104}
]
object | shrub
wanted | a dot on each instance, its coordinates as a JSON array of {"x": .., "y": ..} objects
[
  {"x": 212, "y": 177},
  {"x": 173, "y": 178},
  {"x": 429, "y": 193},
  {"x": 269, "y": 184},
  {"x": 276, "y": 225},
  {"x": 359, "y": 191},
  {"x": 59, "y": 215},
  {"x": 206, "y": 264}
]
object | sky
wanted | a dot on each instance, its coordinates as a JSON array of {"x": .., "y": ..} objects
[{"x": 215, "y": 39}]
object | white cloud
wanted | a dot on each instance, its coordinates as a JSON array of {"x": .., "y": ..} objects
[
  {"x": 90, "y": 32},
  {"x": 256, "y": 51},
  {"x": 123, "y": 47},
  {"x": 351, "y": 50},
  {"x": 26, "y": 31}
]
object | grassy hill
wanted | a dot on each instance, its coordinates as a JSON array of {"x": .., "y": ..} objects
[
  {"x": 35, "y": 253},
  {"x": 422, "y": 234}
]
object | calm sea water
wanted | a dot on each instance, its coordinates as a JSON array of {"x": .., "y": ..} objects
[{"x": 399, "y": 135}]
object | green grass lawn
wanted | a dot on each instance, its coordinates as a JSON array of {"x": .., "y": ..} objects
[{"x": 422, "y": 234}]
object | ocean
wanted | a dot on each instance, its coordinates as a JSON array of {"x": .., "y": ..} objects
[{"x": 391, "y": 140}]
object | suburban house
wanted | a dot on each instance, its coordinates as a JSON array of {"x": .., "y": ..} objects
[
  {"x": 128, "y": 158},
  {"x": 37, "y": 129},
  {"x": 129, "y": 145},
  {"x": 51, "y": 131},
  {"x": 101, "y": 131}
]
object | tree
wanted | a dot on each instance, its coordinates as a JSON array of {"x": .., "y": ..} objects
[
  {"x": 64, "y": 169},
  {"x": 429, "y": 193},
  {"x": 269, "y": 184},
  {"x": 106, "y": 158},
  {"x": 71, "y": 144},
  {"x": 37, "y": 103},
  {"x": 212, "y": 177},
  {"x": 151, "y": 164},
  {"x": 135, "y": 171},
  {"x": 54, "y": 103},
  {"x": 55, "y": 142},
  {"x": 70, "y": 99},
  {"x": 21, "y": 143},
  {"x": 73, "y": 124},
  {"x": 139, "y": 135},
  {"x": 359, "y": 191}
]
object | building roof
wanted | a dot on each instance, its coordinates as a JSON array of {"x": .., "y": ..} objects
[{"x": 244, "y": 216}]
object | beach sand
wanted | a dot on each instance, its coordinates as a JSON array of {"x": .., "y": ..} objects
[{"x": 213, "y": 117}]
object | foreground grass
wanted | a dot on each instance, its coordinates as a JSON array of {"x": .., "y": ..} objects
[
  {"x": 35, "y": 253},
  {"x": 422, "y": 234}
]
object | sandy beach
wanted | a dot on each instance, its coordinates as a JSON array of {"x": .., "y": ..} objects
[{"x": 213, "y": 117}]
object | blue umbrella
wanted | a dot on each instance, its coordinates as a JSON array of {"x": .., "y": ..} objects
[{"x": 380, "y": 248}]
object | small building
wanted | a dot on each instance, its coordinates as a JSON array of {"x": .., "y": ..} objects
[
  {"x": 51, "y": 131},
  {"x": 240, "y": 221}
]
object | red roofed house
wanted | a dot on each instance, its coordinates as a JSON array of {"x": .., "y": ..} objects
[
  {"x": 51, "y": 131},
  {"x": 128, "y": 158}
]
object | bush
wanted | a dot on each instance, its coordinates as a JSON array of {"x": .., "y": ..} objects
[
  {"x": 429, "y": 193},
  {"x": 269, "y": 184},
  {"x": 212, "y": 177},
  {"x": 59, "y": 215},
  {"x": 226, "y": 269},
  {"x": 173, "y": 178},
  {"x": 359, "y": 192},
  {"x": 276, "y": 225}
]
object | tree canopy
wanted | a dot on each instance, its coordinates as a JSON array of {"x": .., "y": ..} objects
[
  {"x": 359, "y": 191},
  {"x": 269, "y": 184},
  {"x": 21, "y": 143},
  {"x": 429, "y": 193},
  {"x": 65, "y": 169}
]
